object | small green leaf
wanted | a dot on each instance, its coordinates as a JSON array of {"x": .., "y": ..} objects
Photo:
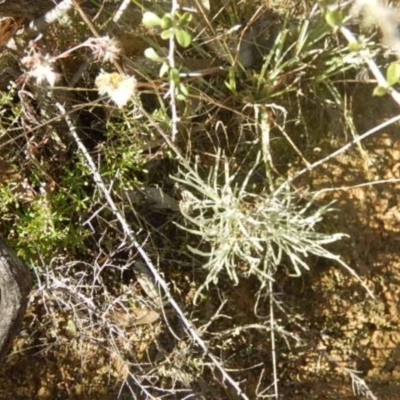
[
  {"x": 152, "y": 55},
  {"x": 150, "y": 19},
  {"x": 185, "y": 19},
  {"x": 184, "y": 89},
  {"x": 167, "y": 22},
  {"x": 231, "y": 82},
  {"x": 174, "y": 75},
  {"x": 354, "y": 46},
  {"x": 393, "y": 73},
  {"x": 71, "y": 328},
  {"x": 184, "y": 38},
  {"x": 380, "y": 91},
  {"x": 180, "y": 96},
  {"x": 167, "y": 34},
  {"x": 164, "y": 70},
  {"x": 334, "y": 18}
]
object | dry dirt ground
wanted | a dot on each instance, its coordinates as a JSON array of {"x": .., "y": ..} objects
[{"x": 355, "y": 330}]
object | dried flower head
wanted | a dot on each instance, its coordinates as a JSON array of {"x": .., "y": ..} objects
[
  {"x": 119, "y": 87},
  {"x": 41, "y": 68},
  {"x": 104, "y": 48}
]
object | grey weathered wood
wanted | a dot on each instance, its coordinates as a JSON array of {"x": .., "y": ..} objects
[{"x": 15, "y": 285}]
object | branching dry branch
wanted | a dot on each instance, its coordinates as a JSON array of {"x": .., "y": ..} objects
[
  {"x": 132, "y": 239},
  {"x": 172, "y": 85}
]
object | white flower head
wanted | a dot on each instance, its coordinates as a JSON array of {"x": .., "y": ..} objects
[
  {"x": 119, "y": 87},
  {"x": 104, "y": 48},
  {"x": 40, "y": 67}
]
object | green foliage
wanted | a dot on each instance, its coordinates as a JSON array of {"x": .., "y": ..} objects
[
  {"x": 380, "y": 91},
  {"x": 334, "y": 18},
  {"x": 393, "y": 73},
  {"x": 150, "y": 19},
  {"x": 49, "y": 223},
  {"x": 46, "y": 230},
  {"x": 123, "y": 157},
  {"x": 9, "y": 111},
  {"x": 304, "y": 54},
  {"x": 152, "y": 55},
  {"x": 171, "y": 26}
]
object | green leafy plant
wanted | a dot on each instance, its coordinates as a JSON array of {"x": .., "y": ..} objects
[
  {"x": 173, "y": 26},
  {"x": 170, "y": 26}
]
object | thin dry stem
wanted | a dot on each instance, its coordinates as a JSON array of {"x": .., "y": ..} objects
[
  {"x": 172, "y": 84},
  {"x": 132, "y": 239}
]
